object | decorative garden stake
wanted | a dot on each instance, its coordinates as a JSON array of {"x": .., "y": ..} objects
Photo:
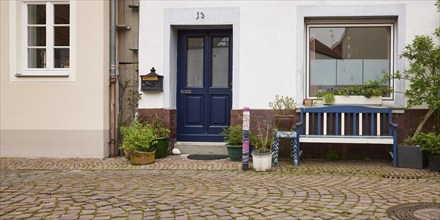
[{"x": 246, "y": 128}]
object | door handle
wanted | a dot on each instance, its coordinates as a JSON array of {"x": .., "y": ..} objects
[{"x": 185, "y": 91}]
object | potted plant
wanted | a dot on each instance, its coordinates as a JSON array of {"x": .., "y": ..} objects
[
  {"x": 162, "y": 134},
  {"x": 262, "y": 154},
  {"x": 326, "y": 95},
  {"x": 369, "y": 93},
  {"x": 233, "y": 136},
  {"x": 424, "y": 77},
  {"x": 410, "y": 155},
  {"x": 283, "y": 108},
  {"x": 430, "y": 142},
  {"x": 139, "y": 139}
]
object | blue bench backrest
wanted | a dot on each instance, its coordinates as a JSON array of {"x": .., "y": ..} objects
[{"x": 351, "y": 113}]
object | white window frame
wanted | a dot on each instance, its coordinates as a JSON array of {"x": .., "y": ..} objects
[
  {"x": 49, "y": 70},
  {"x": 349, "y": 24}
]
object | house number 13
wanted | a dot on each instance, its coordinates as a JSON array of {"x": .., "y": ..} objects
[{"x": 200, "y": 15}]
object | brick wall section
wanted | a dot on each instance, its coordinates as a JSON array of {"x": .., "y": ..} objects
[
  {"x": 169, "y": 117},
  {"x": 257, "y": 115},
  {"x": 407, "y": 123}
]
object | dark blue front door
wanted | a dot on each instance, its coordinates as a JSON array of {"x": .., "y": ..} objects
[{"x": 204, "y": 84}]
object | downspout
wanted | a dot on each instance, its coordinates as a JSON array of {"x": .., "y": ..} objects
[{"x": 112, "y": 129}]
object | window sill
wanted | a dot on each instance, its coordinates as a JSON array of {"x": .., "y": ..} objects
[{"x": 19, "y": 75}]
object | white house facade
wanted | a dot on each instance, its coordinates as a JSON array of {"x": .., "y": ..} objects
[
  {"x": 220, "y": 56},
  {"x": 58, "y": 75}
]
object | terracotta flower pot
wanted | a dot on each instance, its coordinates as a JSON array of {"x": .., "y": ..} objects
[{"x": 284, "y": 122}]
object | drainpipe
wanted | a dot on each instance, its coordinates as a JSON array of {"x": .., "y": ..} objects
[{"x": 112, "y": 129}]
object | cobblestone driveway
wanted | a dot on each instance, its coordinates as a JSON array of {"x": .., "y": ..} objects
[{"x": 312, "y": 192}]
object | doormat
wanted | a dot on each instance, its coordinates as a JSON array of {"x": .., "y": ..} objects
[
  {"x": 415, "y": 211},
  {"x": 207, "y": 156}
]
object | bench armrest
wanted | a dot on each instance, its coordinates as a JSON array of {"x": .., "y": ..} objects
[
  {"x": 393, "y": 125},
  {"x": 298, "y": 127}
]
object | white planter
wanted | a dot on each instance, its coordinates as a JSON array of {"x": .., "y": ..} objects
[
  {"x": 357, "y": 100},
  {"x": 262, "y": 161}
]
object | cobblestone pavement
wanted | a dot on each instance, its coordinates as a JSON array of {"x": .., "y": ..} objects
[{"x": 178, "y": 188}]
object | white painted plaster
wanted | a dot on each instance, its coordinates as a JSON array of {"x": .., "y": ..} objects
[{"x": 268, "y": 41}]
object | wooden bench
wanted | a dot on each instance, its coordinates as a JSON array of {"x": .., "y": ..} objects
[{"x": 347, "y": 125}]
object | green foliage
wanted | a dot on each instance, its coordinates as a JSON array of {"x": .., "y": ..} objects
[
  {"x": 367, "y": 159},
  {"x": 428, "y": 141},
  {"x": 159, "y": 128},
  {"x": 139, "y": 136},
  {"x": 368, "y": 89},
  {"x": 283, "y": 105},
  {"x": 423, "y": 72},
  {"x": 327, "y": 96},
  {"x": 233, "y": 135},
  {"x": 333, "y": 155}
]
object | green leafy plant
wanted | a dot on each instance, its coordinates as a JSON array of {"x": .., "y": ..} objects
[
  {"x": 333, "y": 155},
  {"x": 138, "y": 137},
  {"x": 428, "y": 141},
  {"x": 368, "y": 89},
  {"x": 159, "y": 127},
  {"x": 327, "y": 96},
  {"x": 283, "y": 105},
  {"x": 233, "y": 135},
  {"x": 423, "y": 74}
]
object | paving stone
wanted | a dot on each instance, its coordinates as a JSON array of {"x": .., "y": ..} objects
[{"x": 178, "y": 188}]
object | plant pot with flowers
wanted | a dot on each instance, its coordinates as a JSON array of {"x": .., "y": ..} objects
[
  {"x": 233, "y": 136},
  {"x": 369, "y": 93},
  {"x": 139, "y": 138},
  {"x": 283, "y": 107}
]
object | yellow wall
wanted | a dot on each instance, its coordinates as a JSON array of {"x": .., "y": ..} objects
[{"x": 57, "y": 117}]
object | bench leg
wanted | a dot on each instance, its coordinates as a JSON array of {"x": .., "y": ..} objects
[
  {"x": 395, "y": 154},
  {"x": 276, "y": 149},
  {"x": 293, "y": 151}
]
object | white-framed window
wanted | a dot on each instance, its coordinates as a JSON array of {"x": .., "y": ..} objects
[
  {"x": 346, "y": 54},
  {"x": 47, "y": 36}
]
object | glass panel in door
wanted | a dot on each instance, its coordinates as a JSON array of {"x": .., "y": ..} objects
[
  {"x": 220, "y": 61},
  {"x": 194, "y": 56}
]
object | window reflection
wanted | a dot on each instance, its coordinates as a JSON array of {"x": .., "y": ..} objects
[{"x": 345, "y": 56}]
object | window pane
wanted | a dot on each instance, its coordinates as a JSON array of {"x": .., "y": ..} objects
[
  {"x": 61, "y": 36},
  {"x": 345, "y": 56},
  {"x": 61, "y": 58},
  {"x": 349, "y": 72},
  {"x": 220, "y": 61},
  {"x": 36, "y": 58},
  {"x": 194, "y": 69},
  {"x": 36, "y": 36},
  {"x": 36, "y": 14},
  {"x": 62, "y": 14}
]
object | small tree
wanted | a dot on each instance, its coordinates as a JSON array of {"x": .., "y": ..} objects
[{"x": 424, "y": 74}]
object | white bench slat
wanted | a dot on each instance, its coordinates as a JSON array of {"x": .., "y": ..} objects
[
  {"x": 378, "y": 124},
  {"x": 325, "y": 123},
  {"x": 360, "y": 124},
  {"x": 307, "y": 123},
  {"x": 342, "y": 123},
  {"x": 346, "y": 139}
]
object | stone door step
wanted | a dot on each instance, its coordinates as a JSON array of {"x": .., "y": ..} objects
[{"x": 201, "y": 147}]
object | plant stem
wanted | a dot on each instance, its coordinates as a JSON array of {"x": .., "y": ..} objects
[{"x": 422, "y": 123}]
